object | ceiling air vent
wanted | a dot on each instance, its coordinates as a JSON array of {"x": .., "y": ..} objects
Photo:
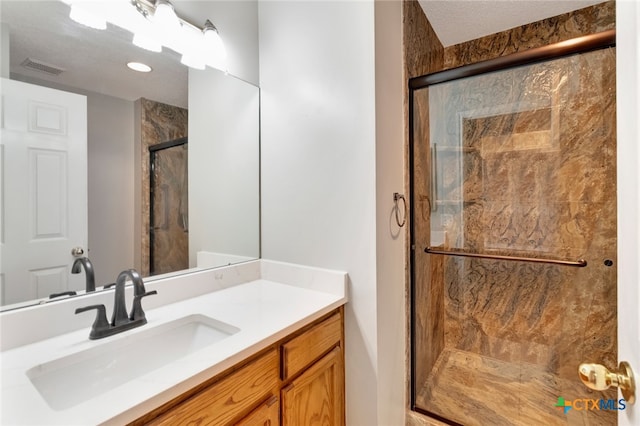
[{"x": 36, "y": 65}]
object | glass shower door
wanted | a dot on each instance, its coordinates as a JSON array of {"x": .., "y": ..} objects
[{"x": 514, "y": 235}]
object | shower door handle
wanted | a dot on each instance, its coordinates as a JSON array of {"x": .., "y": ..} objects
[{"x": 598, "y": 377}]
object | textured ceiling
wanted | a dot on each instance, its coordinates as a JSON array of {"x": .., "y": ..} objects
[{"x": 457, "y": 21}]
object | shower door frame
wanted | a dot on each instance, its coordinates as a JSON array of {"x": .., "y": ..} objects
[{"x": 558, "y": 50}]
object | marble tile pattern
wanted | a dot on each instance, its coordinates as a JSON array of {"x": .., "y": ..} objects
[
  {"x": 497, "y": 342},
  {"x": 500, "y": 393},
  {"x": 423, "y": 51},
  {"x": 160, "y": 123},
  {"x": 171, "y": 215},
  {"x": 590, "y": 20}
]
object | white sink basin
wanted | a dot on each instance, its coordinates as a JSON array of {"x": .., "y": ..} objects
[{"x": 78, "y": 377}]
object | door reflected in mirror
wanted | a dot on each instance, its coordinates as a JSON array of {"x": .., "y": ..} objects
[{"x": 206, "y": 197}]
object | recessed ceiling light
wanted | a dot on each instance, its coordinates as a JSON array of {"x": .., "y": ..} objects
[{"x": 138, "y": 66}]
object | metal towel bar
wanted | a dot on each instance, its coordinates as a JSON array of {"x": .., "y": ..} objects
[{"x": 580, "y": 263}]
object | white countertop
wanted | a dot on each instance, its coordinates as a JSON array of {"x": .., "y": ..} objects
[{"x": 264, "y": 310}]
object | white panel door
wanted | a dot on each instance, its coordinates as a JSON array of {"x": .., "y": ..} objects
[
  {"x": 628, "y": 106},
  {"x": 43, "y": 158}
]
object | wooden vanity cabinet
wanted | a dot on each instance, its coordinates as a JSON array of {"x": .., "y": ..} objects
[
  {"x": 316, "y": 397},
  {"x": 225, "y": 400},
  {"x": 314, "y": 361},
  {"x": 297, "y": 382},
  {"x": 267, "y": 414}
]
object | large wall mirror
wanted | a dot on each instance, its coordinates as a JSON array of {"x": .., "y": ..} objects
[{"x": 170, "y": 179}]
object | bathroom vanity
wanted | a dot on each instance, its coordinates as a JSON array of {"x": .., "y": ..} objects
[
  {"x": 256, "y": 343},
  {"x": 302, "y": 376}
]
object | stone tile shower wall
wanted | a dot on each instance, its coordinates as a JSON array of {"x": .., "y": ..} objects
[
  {"x": 159, "y": 123},
  {"x": 590, "y": 20},
  {"x": 498, "y": 342},
  {"x": 170, "y": 244},
  {"x": 536, "y": 183}
]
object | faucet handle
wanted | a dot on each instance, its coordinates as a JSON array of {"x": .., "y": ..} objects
[
  {"x": 100, "y": 324},
  {"x": 137, "y": 313}
]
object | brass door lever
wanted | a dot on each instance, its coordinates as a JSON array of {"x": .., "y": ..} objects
[{"x": 598, "y": 377}]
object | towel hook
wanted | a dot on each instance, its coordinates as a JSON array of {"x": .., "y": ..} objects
[{"x": 396, "y": 197}]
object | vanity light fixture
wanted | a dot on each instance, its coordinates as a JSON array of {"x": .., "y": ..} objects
[
  {"x": 193, "y": 60},
  {"x": 82, "y": 12},
  {"x": 214, "y": 52},
  {"x": 204, "y": 49},
  {"x": 146, "y": 41},
  {"x": 165, "y": 17},
  {"x": 139, "y": 66},
  {"x": 154, "y": 25},
  {"x": 143, "y": 31}
]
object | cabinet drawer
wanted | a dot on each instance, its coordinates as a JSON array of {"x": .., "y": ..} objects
[
  {"x": 301, "y": 351},
  {"x": 225, "y": 400}
]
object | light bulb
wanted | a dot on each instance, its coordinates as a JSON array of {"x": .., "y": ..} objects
[
  {"x": 82, "y": 14},
  {"x": 139, "y": 66},
  {"x": 127, "y": 15},
  {"x": 214, "y": 50},
  {"x": 136, "y": 21},
  {"x": 147, "y": 42},
  {"x": 192, "y": 60},
  {"x": 165, "y": 16},
  {"x": 190, "y": 42}
]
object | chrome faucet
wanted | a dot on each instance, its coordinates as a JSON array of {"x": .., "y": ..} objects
[
  {"x": 78, "y": 264},
  {"x": 120, "y": 320}
]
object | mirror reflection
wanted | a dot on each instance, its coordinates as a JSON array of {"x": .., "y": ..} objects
[{"x": 156, "y": 171}]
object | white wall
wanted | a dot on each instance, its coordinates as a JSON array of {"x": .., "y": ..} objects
[
  {"x": 4, "y": 50},
  {"x": 111, "y": 197},
  {"x": 320, "y": 194},
  {"x": 390, "y": 259},
  {"x": 224, "y": 166}
]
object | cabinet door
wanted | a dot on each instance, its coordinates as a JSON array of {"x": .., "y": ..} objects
[
  {"x": 317, "y": 396},
  {"x": 268, "y": 414}
]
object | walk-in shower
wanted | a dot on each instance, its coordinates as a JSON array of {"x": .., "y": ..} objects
[
  {"x": 169, "y": 200},
  {"x": 513, "y": 235}
]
